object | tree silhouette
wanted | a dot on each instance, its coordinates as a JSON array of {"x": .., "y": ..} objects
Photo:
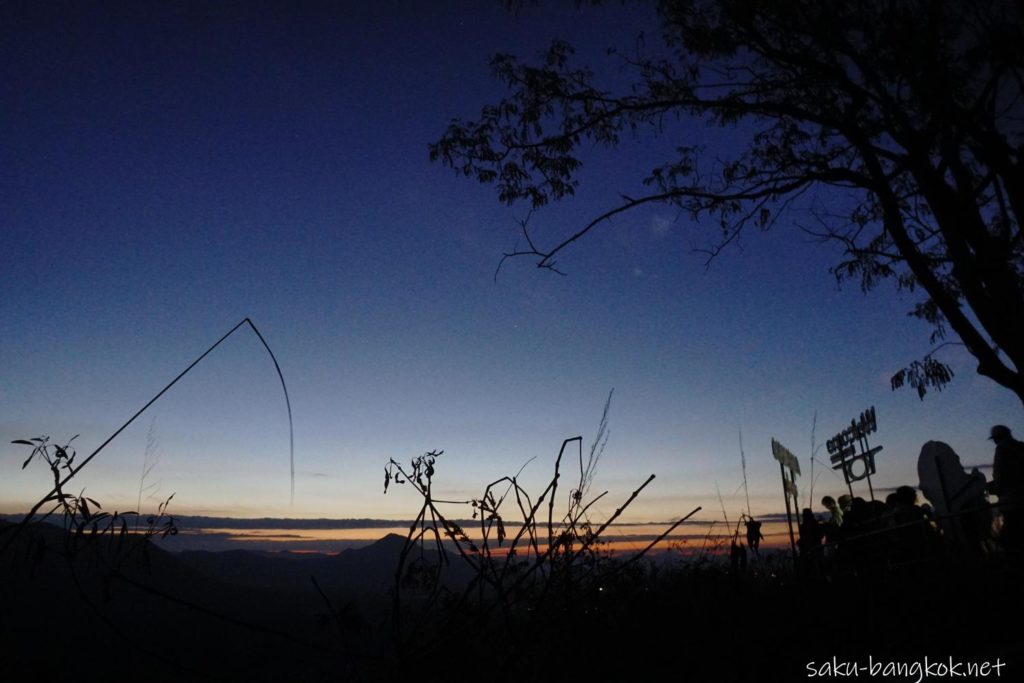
[{"x": 906, "y": 114}]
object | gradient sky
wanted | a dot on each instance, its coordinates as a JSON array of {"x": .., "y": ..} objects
[{"x": 167, "y": 169}]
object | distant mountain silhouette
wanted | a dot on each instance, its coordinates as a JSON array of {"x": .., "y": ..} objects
[
  {"x": 365, "y": 574},
  {"x": 155, "y": 615},
  {"x": 188, "y": 616},
  {"x": 255, "y": 617}
]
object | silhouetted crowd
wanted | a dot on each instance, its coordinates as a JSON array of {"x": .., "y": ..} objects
[{"x": 957, "y": 519}]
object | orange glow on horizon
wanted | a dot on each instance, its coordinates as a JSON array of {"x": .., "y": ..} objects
[{"x": 692, "y": 540}]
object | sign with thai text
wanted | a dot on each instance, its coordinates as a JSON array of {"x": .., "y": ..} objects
[
  {"x": 848, "y": 438},
  {"x": 849, "y": 450}
]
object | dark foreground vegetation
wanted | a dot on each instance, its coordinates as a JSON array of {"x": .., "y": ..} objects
[
  {"x": 530, "y": 595},
  {"x": 110, "y": 614}
]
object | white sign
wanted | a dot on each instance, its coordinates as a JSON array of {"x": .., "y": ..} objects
[{"x": 783, "y": 455}]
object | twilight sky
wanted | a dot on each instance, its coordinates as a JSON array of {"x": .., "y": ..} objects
[{"x": 167, "y": 169}]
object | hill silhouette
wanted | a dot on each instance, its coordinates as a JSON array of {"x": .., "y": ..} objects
[
  {"x": 155, "y": 615},
  {"x": 252, "y": 616},
  {"x": 355, "y": 570}
]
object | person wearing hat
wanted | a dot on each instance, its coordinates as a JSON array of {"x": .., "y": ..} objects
[{"x": 1008, "y": 484}]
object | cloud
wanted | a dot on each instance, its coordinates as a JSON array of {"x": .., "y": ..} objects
[
  {"x": 318, "y": 475},
  {"x": 638, "y": 272}
]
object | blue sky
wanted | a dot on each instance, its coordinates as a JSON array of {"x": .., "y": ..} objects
[{"x": 169, "y": 169}]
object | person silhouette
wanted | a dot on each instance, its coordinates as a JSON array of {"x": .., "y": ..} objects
[
  {"x": 1008, "y": 484},
  {"x": 834, "y": 523},
  {"x": 913, "y": 538},
  {"x": 809, "y": 543},
  {"x": 834, "y": 511},
  {"x": 737, "y": 558},
  {"x": 754, "y": 535}
]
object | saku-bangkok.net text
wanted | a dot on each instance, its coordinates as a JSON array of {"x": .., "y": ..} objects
[{"x": 912, "y": 671}]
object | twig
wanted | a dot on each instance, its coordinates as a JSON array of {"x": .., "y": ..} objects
[{"x": 78, "y": 468}]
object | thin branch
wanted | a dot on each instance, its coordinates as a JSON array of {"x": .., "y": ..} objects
[{"x": 75, "y": 470}]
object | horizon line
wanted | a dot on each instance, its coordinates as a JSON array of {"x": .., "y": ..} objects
[{"x": 193, "y": 521}]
